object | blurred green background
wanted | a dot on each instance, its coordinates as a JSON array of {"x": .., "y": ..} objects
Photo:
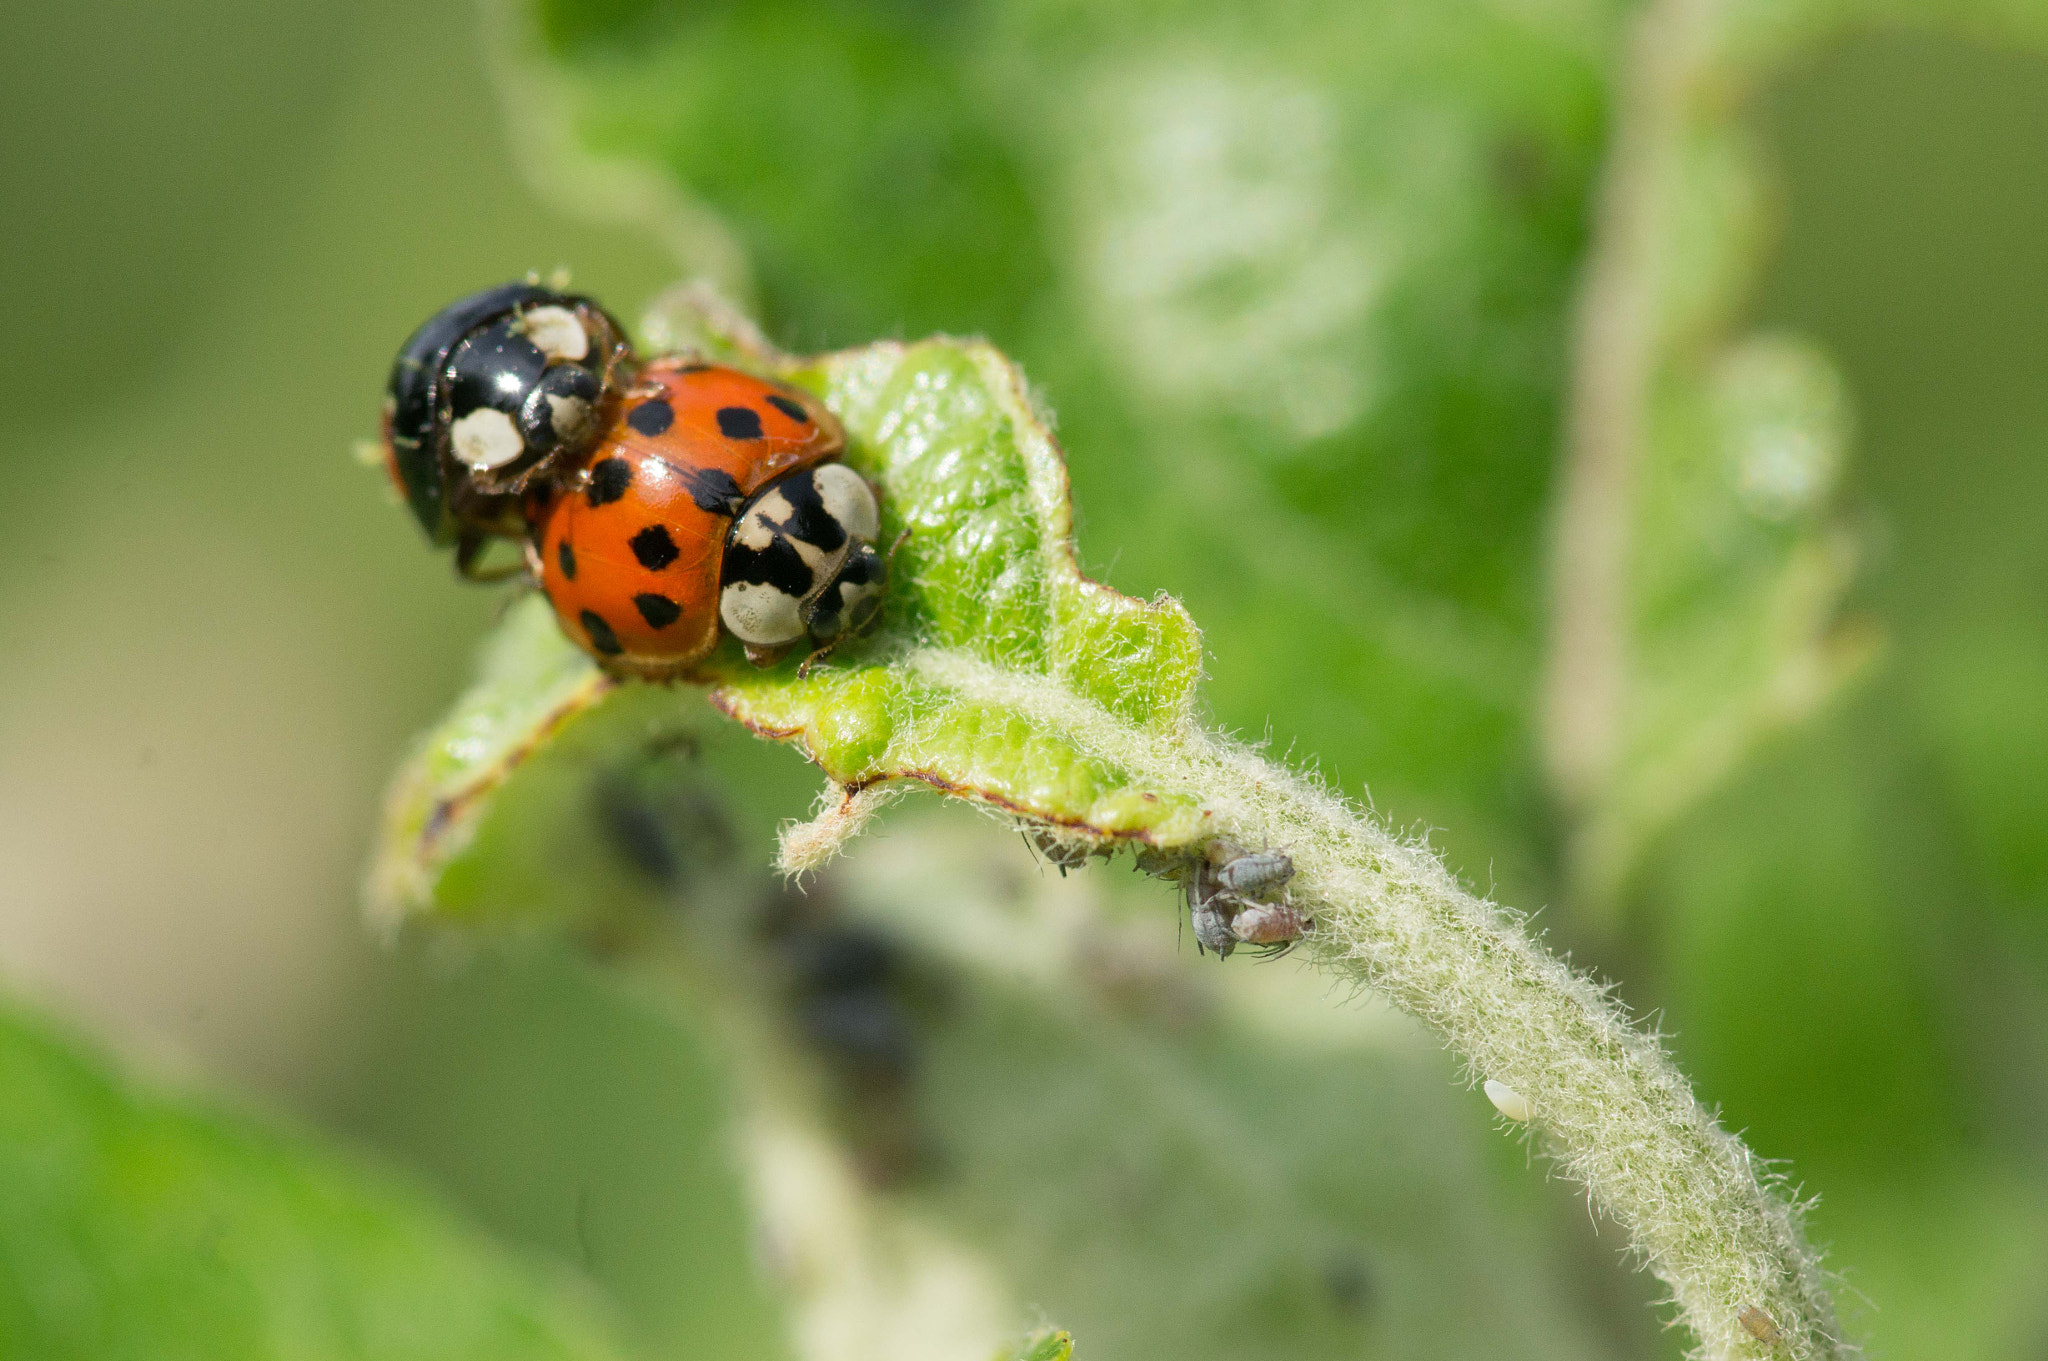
[{"x": 222, "y": 217}]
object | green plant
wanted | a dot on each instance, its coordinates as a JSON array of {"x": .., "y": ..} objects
[
  {"x": 1314, "y": 298},
  {"x": 1697, "y": 579},
  {"x": 1002, "y": 676}
]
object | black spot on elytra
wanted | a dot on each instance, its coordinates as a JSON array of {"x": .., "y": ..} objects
[
  {"x": 712, "y": 489},
  {"x": 566, "y": 556},
  {"x": 650, "y": 418},
  {"x": 658, "y": 610},
  {"x": 789, "y": 408},
  {"x": 601, "y": 636},
  {"x": 654, "y": 548},
  {"x": 739, "y": 422},
  {"x": 609, "y": 478}
]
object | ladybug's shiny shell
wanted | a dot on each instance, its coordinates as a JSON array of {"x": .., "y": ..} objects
[
  {"x": 631, "y": 546},
  {"x": 488, "y": 395}
]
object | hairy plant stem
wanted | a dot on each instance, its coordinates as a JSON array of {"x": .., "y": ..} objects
[{"x": 1611, "y": 1107}]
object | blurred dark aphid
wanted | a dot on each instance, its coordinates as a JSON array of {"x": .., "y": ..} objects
[
  {"x": 1142, "y": 983},
  {"x": 660, "y": 819},
  {"x": 786, "y": 910},
  {"x": 837, "y": 959},
  {"x": 862, "y": 1031},
  {"x": 637, "y": 832},
  {"x": 853, "y": 1002}
]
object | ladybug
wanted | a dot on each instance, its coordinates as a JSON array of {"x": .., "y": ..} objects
[
  {"x": 494, "y": 394},
  {"x": 713, "y": 502}
]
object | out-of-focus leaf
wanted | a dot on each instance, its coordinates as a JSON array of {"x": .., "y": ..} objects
[
  {"x": 1702, "y": 560},
  {"x": 136, "y": 1226},
  {"x": 1879, "y": 876}
]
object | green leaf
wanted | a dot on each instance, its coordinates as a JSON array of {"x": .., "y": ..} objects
[
  {"x": 137, "y": 1224},
  {"x": 1301, "y": 286},
  {"x": 532, "y": 684},
  {"x": 985, "y": 603}
]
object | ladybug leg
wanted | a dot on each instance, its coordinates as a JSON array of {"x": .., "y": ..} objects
[
  {"x": 889, "y": 558},
  {"x": 823, "y": 650},
  {"x": 469, "y": 551},
  {"x": 527, "y": 579}
]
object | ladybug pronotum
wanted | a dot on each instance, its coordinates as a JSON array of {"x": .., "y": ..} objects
[
  {"x": 660, "y": 505},
  {"x": 489, "y": 398}
]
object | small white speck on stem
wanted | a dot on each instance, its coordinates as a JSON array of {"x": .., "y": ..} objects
[{"x": 1507, "y": 1100}]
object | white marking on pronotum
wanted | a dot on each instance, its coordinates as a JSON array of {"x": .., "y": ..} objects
[
  {"x": 852, "y": 594},
  {"x": 1507, "y": 1100},
  {"x": 753, "y": 532},
  {"x": 556, "y": 333},
  {"x": 823, "y": 565},
  {"x": 487, "y": 438},
  {"x": 567, "y": 416},
  {"x": 758, "y": 613},
  {"x": 848, "y": 500}
]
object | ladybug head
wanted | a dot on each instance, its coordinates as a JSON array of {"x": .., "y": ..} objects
[
  {"x": 492, "y": 388},
  {"x": 800, "y": 559}
]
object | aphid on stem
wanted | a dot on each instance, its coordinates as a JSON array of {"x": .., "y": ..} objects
[{"x": 1227, "y": 890}]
